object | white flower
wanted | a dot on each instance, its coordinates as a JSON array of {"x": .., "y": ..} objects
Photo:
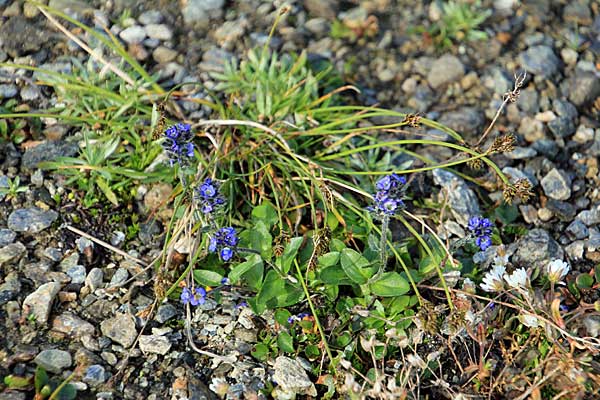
[
  {"x": 492, "y": 281},
  {"x": 556, "y": 270},
  {"x": 529, "y": 320},
  {"x": 518, "y": 279},
  {"x": 501, "y": 260}
]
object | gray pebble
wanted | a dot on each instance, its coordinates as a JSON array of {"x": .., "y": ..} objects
[
  {"x": 133, "y": 35},
  {"x": 39, "y": 303},
  {"x": 95, "y": 375},
  {"x": 94, "y": 279},
  {"x": 159, "y": 32},
  {"x": 291, "y": 378},
  {"x": 70, "y": 324},
  {"x": 577, "y": 230},
  {"x": 537, "y": 247},
  {"x": 154, "y": 344},
  {"x": 165, "y": 312},
  {"x": 119, "y": 277},
  {"x": 584, "y": 87},
  {"x": 562, "y": 127},
  {"x": 163, "y": 54},
  {"x": 120, "y": 329},
  {"x": 7, "y": 236},
  {"x": 54, "y": 360},
  {"x": 461, "y": 199},
  {"x": 444, "y": 70},
  {"x": 47, "y": 151},
  {"x": 521, "y": 153},
  {"x": 465, "y": 120},
  {"x": 539, "y": 60},
  {"x": 557, "y": 185},
  {"x": 11, "y": 252},
  {"x": 11, "y": 288},
  {"x": 590, "y": 217},
  {"x": 77, "y": 274},
  {"x": 8, "y": 90},
  {"x": 150, "y": 17},
  {"x": 200, "y": 10}
]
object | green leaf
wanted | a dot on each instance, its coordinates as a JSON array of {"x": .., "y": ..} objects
[
  {"x": 40, "y": 379},
  {"x": 334, "y": 275},
  {"x": 356, "y": 266},
  {"x": 251, "y": 270},
  {"x": 110, "y": 195},
  {"x": 390, "y": 284},
  {"x": 260, "y": 351},
  {"x": 276, "y": 292},
  {"x": 207, "y": 278},
  {"x": 312, "y": 352},
  {"x": 584, "y": 281},
  {"x": 281, "y": 316},
  {"x": 337, "y": 245},
  {"x": 266, "y": 212},
  {"x": 289, "y": 254},
  {"x": 329, "y": 259},
  {"x": 68, "y": 392},
  {"x": 259, "y": 239},
  {"x": 285, "y": 342},
  {"x": 16, "y": 382}
]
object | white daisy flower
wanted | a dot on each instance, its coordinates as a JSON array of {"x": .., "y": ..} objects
[
  {"x": 518, "y": 279},
  {"x": 556, "y": 270},
  {"x": 492, "y": 281}
]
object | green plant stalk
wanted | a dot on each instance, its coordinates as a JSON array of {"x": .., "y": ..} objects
[
  {"x": 313, "y": 310},
  {"x": 430, "y": 253},
  {"x": 382, "y": 248},
  {"x": 61, "y": 386}
]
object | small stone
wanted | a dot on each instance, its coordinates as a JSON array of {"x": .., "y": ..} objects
[
  {"x": 8, "y": 90},
  {"x": 545, "y": 214},
  {"x": 521, "y": 153},
  {"x": 562, "y": 127},
  {"x": 54, "y": 360},
  {"x": 47, "y": 151},
  {"x": 150, "y": 17},
  {"x": 11, "y": 288},
  {"x": 164, "y": 55},
  {"x": 120, "y": 329},
  {"x": 578, "y": 12},
  {"x": 94, "y": 279},
  {"x": 539, "y": 60},
  {"x": 31, "y": 220},
  {"x": 95, "y": 375},
  {"x": 13, "y": 30},
  {"x": 537, "y": 248},
  {"x": 592, "y": 324},
  {"x": 583, "y": 134},
  {"x": 77, "y": 274},
  {"x": 11, "y": 252},
  {"x": 84, "y": 245},
  {"x": 577, "y": 230},
  {"x": 590, "y": 217},
  {"x": 117, "y": 238},
  {"x": 529, "y": 213},
  {"x": 291, "y": 379},
  {"x": 39, "y": 303},
  {"x": 444, "y": 70},
  {"x": 557, "y": 185},
  {"x": 584, "y": 87},
  {"x": 7, "y": 236},
  {"x": 120, "y": 277},
  {"x": 109, "y": 357},
  {"x": 569, "y": 56},
  {"x": 70, "y": 324},
  {"x": 564, "y": 109},
  {"x": 133, "y": 35},
  {"x": 564, "y": 210},
  {"x": 159, "y": 32},
  {"x": 154, "y": 344},
  {"x": 465, "y": 120},
  {"x": 200, "y": 10},
  {"x": 575, "y": 250},
  {"x": 156, "y": 199},
  {"x": 165, "y": 312},
  {"x": 37, "y": 178}
]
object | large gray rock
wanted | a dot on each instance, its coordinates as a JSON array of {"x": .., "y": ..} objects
[
  {"x": 537, "y": 248},
  {"x": 47, "y": 151},
  {"x": 120, "y": 329},
  {"x": 39, "y": 303},
  {"x": 31, "y": 220},
  {"x": 461, "y": 199},
  {"x": 20, "y": 36},
  {"x": 557, "y": 185},
  {"x": 539, "y": 60},
  {"x": 291, "y": 379},
  {"x": 444, "y": 70},
  {"x": 54, "y": 360}
]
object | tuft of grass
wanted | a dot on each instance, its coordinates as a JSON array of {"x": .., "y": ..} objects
[{"x": 459, "y": 22}]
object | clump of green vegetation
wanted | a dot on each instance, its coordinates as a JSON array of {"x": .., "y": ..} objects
[
  {"x": 288, "y": 198},
  {"x": 45, "y": 387},
  {"x": 459, "y": 22}
]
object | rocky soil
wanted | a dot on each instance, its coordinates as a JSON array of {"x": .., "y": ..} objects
[{"x": 56, "y": 309}]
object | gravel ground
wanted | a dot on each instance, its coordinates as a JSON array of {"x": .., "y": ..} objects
[{"x": 61, "y": 278}]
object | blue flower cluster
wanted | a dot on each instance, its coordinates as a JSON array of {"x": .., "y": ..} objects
[
  {"x": 178, "y": 143},
  {"x": 209, "y": 197},
  {"x": 297, "y": 318},
  {"x": 199, "y": 297},
  {"x": 390, "y": 191},
  {"x": 481, "y": 229},
  {"x": 224, "y": 242}
]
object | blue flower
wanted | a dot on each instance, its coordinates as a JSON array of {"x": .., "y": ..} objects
[
  {"x": 225, "y": 281},
  {"x": 481, "y": 229},
  {"x": 178, "y": 143},
  {"x": 198, "y": 298},
  {"x": 207, "y": 194},
  {"x": 226, "y": 254},
  {"x": 224, "y": 242},
  {"x": 389, "y": 195}
]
